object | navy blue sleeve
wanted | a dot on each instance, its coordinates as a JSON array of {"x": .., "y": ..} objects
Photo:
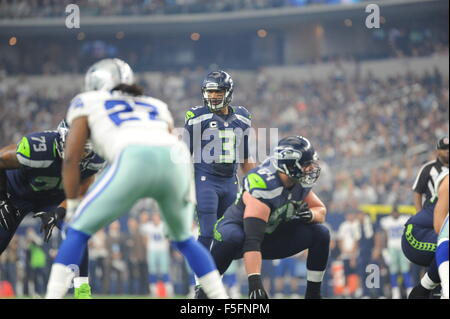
[
  {"x": 188, "y": 132},
  {"x": 37, "y": 150}
]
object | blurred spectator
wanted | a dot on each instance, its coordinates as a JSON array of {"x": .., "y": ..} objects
[
  {"x": 366, "y": 246},
  {"x": 392, "y": 230},
  {"x": 19, "y": 9},
  {"x": 116, "y": 267},
  {"x": 158, "y": 254},
  {"x": 348, "y": 240},
  {"x": 136, "y": 259},
  {"x": 98, "y": 256},
  {"x": 38, "y": 262}
]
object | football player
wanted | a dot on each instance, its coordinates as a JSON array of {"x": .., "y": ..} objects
[
  {"x": 441, "y": 228},
  {"x": 275, "y": 216},
  {"x": 419, "y": 244},
  {"x": 217, "y": 135},
  {"x": 31, "y": 181},
  {"x": 133, "y": 133}
]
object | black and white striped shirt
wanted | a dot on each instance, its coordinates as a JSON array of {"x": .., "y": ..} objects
[{"x": 426, "y": 180}]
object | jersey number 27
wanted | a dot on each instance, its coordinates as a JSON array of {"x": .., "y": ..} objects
[{"x": 119, "y": 116}]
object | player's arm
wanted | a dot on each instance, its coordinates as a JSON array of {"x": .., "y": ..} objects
[
  {"x": 55, "y": 217},
  {"x": 256, "y": 215},
  {"x": 188, "y": 137},
  {"x": 317, "y": 207},
  {"x": 8, "y": 160},
  {"x": 441, "y": 208},
  {"x": 420, "y": 187},
  {"x": 76, "y": 139}
]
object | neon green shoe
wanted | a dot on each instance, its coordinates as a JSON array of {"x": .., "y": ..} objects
[{"x": 84, "y": 292}]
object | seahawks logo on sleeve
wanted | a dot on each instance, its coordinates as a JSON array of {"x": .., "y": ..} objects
[{"x": 197, "y": 114}]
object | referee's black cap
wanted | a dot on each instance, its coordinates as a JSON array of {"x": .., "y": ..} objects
[{"x": 442, "y": 144}]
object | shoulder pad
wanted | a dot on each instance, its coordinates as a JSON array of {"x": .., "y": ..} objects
[
  {"x": 197, "y": 114},
  {"x": 262, "y": 185},
  {"x": 37, "y": 150},
  {"x": 242, "y": 111},
  {"x": 243, "y": 115}
]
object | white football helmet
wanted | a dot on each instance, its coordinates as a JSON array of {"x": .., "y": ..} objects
[{"x": 106, "y": 74}]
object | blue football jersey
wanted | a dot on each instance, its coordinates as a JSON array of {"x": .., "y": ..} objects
[
  {"x": 39, "y": 181},
  {"x": 264, "y": 183},
  {"x": 218, "y": 143}
]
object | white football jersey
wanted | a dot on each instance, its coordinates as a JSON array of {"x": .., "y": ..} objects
[
  {"x": 117, "y": 120},
  {"x": 157, "y": 240},
  {"x": 394, "y": 229}
]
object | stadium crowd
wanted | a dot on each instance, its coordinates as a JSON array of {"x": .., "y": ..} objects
[
  {"x": 404, "y": 111},
  {"x": 56, "y": 8},
  {"x": 391, "y": 118}
]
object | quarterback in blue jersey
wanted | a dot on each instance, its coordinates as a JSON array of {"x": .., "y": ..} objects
[
  {"x": 276, "y": 215},
  {"x": 31, "y": 181},
  {"x": 218, "y": 136}
]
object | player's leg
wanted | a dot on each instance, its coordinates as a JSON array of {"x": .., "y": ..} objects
[
  {"x": 419, "y": 246},
  {"x": 442, "y": 259},
  {"x": 227, "y": 195},
  {"x": 207, "y": 206},
  {"x": 174, "y": 195},
  {"x": 82, "y": 289},
  {"x": 291, "y": 238},
  {"x": 227, "y": 245},
  {"x": 113, "y": 195}
]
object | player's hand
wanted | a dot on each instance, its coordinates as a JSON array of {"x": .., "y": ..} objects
[
  {"x": 303, "y": 213},
  {"x": 255, "y": 288},
  {"x": 72, "y": 206},
  {"x": 50, "y": 220},
  {"x": 8, "y": 214}
]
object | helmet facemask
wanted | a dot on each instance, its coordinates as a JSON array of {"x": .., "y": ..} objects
[
  {"x": 215, "y": 104},
  {"x": 288, "y": 161},
  {"x": 63, "y": 130}
]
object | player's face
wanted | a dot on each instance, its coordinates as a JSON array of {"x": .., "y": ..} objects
[
  {"x": 443, "y": 156},
  {"x": 215, "y": 96}
]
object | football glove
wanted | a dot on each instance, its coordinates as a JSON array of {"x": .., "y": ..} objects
[
  {"x": 8, "y": 214},
  {"x": 50, "y": 220},
  {"x": 256, "y": 288},
  {"x": 303, "y": 213}
]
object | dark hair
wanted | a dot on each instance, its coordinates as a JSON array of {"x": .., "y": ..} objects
[{"x": 132, "y": 89}]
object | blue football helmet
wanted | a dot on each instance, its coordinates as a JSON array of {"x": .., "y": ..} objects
[
  {"x": 217, "y": 81},
  {"x": 295, "y": 156},
  {"x": 63, "y": 130}
]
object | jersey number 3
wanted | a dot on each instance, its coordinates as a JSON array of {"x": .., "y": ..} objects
[{"x": 123, "y": 107}]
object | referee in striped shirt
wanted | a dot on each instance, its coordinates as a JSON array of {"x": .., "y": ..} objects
[{"x": 425, "y": 180}]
